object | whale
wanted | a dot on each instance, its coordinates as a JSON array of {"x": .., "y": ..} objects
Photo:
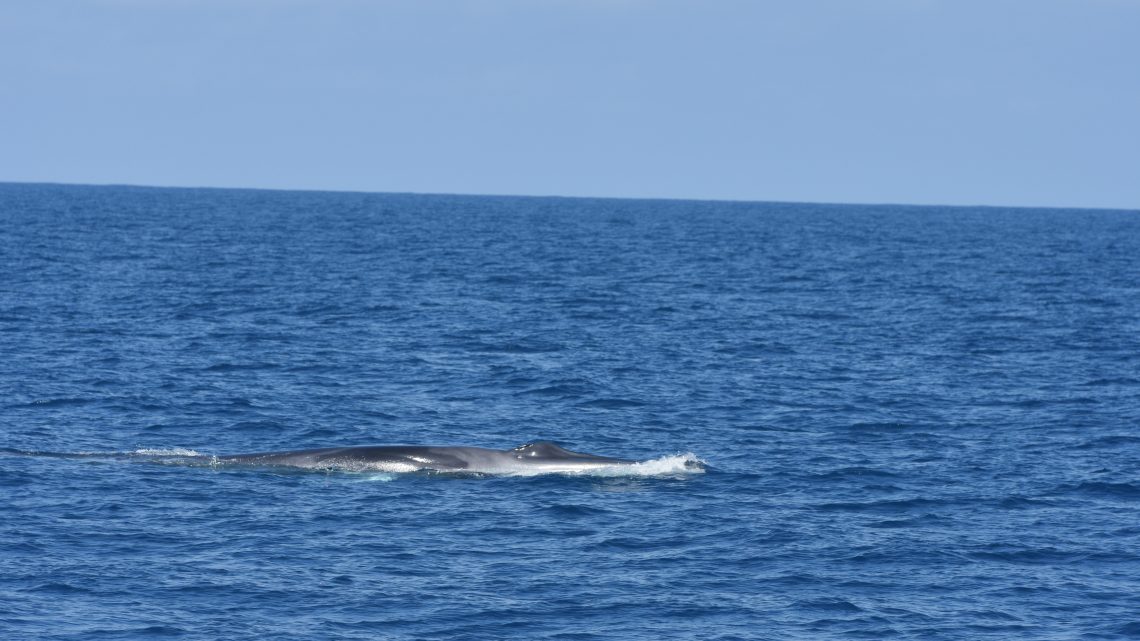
[{"x": 533, "y": 457}]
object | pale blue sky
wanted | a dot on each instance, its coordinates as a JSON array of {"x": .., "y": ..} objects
[{"x": 1029, "y": 102}]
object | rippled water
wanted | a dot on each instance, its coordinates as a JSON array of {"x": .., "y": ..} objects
[{"x": 918, "y": 423}]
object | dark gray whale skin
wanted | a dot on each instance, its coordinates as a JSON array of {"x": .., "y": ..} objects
[{"x": 537, "y": 456}]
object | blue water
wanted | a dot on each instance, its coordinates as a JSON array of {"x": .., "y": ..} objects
[{"x": 918, "y": 423}]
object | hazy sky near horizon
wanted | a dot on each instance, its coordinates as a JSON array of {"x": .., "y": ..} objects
[{"x": 999, "y": 102}]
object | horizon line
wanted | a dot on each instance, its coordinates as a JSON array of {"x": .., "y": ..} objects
[{"x": 565, "y": 197}]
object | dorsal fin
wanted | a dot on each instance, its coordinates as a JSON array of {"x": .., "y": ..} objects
[{"x": 541, "y": 449}]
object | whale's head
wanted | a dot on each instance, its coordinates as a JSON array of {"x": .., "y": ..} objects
[{"x": 547, "y": 451}]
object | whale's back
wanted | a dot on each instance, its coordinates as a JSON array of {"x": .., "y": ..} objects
[
  {"x": 393, "y": 458},
  {"x": 542, "y": 455}
]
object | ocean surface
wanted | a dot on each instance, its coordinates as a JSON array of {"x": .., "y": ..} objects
[{"x": 911, "y": 422}]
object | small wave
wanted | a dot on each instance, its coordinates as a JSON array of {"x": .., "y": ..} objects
[
  {"x": 254, "y": 426},
  {"x": 857, "y": 472},
  {"x": 516, "y": 347},
  {"x": 52, "y": 402},
  {"x": 756, "y": 349},
  {"x": 879, "y": 427},
  {"x": 175, "y": 454},
  {"x": 916, "y": 522},
  {"x": 830, "y": 605},
  {"x": 555, "y": 390},
  {"x": 1103, "y": 382},
  {"x": 238, "y": 367},
  {"x": 612, "y": 403},
  {"x": 1102, "y": 489},
  {"x": 1031, "y": 556},
  {"x": 59, "y": 588},
  {"x": 887, "y": 506},
  {"x": 1130, "y": 629},
  {"x": 574, "y": 510},
  {"x": 72, "y": 455},
  {"x": 1114, "y": 441}
]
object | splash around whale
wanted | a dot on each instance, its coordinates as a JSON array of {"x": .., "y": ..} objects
[{"x": 536, "y": 457}]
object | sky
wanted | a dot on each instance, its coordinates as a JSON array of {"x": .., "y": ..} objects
[{"x": 994, "y": 102}]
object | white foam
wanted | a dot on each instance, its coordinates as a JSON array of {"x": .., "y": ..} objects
[
  {"x": 678, "y": 464},
  {"x": 686, "y": 463},
  {"x": 376, "y": 478},
  {"x": 176, "y": 451}
]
